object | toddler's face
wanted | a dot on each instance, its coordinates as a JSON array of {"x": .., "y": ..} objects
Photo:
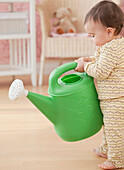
[{"x": 97, "y": 31}]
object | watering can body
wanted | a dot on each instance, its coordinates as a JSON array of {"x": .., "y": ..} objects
[{"x": 72, "y": 106}]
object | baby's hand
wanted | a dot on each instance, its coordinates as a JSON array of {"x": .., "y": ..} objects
[
  {"x": 81, "y": 61},
  {"x": 87, "y": 59},
  {"x": 80, "y": 65}
]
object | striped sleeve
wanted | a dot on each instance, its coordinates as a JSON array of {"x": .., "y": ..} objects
[{"x": 104, "y": 65}]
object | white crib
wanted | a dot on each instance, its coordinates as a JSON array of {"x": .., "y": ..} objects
[{"x": 22, "y": 45}]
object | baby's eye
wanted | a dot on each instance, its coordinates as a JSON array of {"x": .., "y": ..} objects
[{"x": 92, "y": 36}]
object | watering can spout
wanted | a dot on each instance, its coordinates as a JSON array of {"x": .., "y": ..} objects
[{"x": 44, "y": 104}]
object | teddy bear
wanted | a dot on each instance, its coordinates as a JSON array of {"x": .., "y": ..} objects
[{"x": 63, "y": 22}]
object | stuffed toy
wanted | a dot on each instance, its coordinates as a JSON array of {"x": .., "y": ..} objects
[{"x": 63, "y": 22}]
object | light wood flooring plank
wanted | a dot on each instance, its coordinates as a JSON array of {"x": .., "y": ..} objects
[{"x": 28, "y": 140}]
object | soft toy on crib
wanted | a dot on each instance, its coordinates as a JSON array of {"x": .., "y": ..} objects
[{"x": 63, "y": 22}]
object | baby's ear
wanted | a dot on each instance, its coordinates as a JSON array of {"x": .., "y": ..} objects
[{"x": 110, "y": 31}]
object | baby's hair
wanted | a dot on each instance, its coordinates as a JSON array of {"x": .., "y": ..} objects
[{"x": 108, "y": 14}]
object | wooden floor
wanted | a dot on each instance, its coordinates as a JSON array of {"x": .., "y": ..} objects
[{"x": 28, "y": 140}]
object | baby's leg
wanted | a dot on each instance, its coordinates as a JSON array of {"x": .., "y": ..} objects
[
  {"x": 113, "y": 111},
  {"x": 107, "y": 165},
  {"x": 102, "y": 150},
  {"x": 99, "y": 153}
]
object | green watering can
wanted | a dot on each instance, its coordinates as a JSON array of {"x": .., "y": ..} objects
[{"x": 72, "y": 106}]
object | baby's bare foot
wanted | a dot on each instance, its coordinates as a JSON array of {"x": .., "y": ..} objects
[
  {"x": 97, "y": 151},
  {"x": 107, "y": 165}
]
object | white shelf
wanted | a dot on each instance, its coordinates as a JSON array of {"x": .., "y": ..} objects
[
  {"x": 15, "y": 36},
  {"x": 10, "y": 1},
  {"x": 7, "y": 70}
]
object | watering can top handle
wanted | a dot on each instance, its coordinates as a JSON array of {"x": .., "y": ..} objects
[{"x": 53, "y": 79}]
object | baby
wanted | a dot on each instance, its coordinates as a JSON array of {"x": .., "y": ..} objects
[{"x": 104, "y": 23}]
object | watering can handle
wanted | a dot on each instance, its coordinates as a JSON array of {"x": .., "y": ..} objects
[{"x": 53, "y": 79}]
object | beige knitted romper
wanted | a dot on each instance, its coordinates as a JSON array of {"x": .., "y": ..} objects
[{"x": 108, "y": 69}]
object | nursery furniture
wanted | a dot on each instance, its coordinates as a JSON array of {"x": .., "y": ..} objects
[
  {"x": 64, "y": 47},
  {"x": 22, "y": 45}
]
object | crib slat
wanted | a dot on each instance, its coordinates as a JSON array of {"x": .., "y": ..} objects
[
  {"x": 15, "y": 53},
  {"x": 28, "y": 54},
  {"x": 11, "y": 51},
  {"x": 24, "y": 53},
  {"x": 20, "y": 53}
]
